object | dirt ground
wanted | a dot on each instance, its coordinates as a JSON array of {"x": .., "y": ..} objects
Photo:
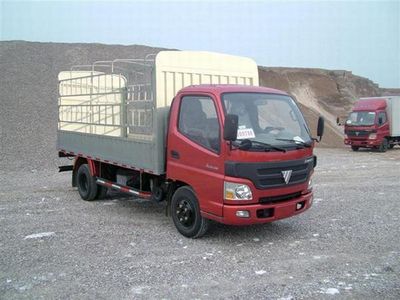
[{"x": 55, "y": 246}]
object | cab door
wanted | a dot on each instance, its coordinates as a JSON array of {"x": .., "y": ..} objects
[
  {"x": 383, "y": 125},
  {"x": 194, "y": 148}
]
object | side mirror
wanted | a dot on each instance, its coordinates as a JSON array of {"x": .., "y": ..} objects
[
  {"x": 380, "y": 121},
  {"x": 340, "y": 121},
  {"x": 231, "y": 127},
  {"x": 320, "y": 128}
]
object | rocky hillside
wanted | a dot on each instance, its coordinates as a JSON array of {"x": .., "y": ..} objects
[
  {"x": 28, "y": 95},
  {"x": 388, "y": 92}
]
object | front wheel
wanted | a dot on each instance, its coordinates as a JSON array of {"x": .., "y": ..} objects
[
  {"x": 355, "y": 148},
  {"x": 185, "y": 211},
  {"x": 384, "y": 146}
]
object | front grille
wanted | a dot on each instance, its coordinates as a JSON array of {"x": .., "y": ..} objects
[
  {"x": 273, "y": 176},
  {"x": 270, "y": 174},
  {"x": 358, "y": 133},
  {"x": 281, "y": 198}
]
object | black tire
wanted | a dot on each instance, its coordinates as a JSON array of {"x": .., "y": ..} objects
[
  {"x": 86, "y": 183},
  {"x": 355, "y": 148},
  {"x": 383, "y": 146},
  {"x": 391, "y": 146},
  {"x": 186, "y": 215}
]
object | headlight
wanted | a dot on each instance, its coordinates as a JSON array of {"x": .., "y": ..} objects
[
  {"x": 237, "y": 191},
  {"x": 372, "y": 136}
]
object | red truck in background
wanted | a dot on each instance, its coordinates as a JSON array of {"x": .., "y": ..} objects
[
  {"x": 193, "y": 129},
  {"x": 374, "y": 123}
]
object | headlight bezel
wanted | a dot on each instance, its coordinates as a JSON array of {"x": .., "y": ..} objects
[
  {"x": 310, "y": 184},
  {"x": 237, "y": 191}
]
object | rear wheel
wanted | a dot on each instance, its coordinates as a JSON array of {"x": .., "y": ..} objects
[
  {"x": 383, "y": 146},
  {"x": 86, "y": 183},
  {"x": 355, "y": 148},
  {"x": 157, "y": 194},
  {"x": 391, "y": 146},
  {"x": 185, "y": 211}
]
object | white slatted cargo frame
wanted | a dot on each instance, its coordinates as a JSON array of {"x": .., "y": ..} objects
[
  {"x": 90, "y": 102},
  {"x": 169, "y": 72}
]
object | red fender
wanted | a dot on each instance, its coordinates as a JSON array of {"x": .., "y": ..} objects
[{"x": 94, "y": 167}]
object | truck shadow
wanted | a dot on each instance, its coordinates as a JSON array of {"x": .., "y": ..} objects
[{"x": 274, "y": 231}]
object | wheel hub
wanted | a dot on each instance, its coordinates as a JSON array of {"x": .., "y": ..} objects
[{"x": 184, "y": 213}]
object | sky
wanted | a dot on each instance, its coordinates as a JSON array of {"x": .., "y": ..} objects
[{"x": 359, "y": 36}]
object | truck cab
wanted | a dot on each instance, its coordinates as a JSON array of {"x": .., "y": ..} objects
[{"x": 368, "y": 125}]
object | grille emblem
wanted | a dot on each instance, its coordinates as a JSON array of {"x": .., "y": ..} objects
[{"x": 286, "y": 175}]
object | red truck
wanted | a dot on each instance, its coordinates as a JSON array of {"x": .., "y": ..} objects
[
  {"x": 374, "y": 123},
  {"x": 195, "y": 131}
]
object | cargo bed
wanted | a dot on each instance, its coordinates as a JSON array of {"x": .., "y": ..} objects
[{"x": 116, "y": 111}]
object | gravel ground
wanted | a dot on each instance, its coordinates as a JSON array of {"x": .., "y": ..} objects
[{"x": 55, "y": 246}]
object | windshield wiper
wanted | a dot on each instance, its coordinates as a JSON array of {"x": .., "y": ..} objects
[
  {"x": 296, "y": 142},
  {"x": 246, "y": 144}
]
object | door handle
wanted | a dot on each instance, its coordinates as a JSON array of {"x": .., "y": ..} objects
[{"x": 175, "y": 154}]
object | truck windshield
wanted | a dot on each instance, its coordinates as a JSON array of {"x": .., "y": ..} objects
[
  {"x": 268, "y": 118},
  {"x": 361, "y": 118}
]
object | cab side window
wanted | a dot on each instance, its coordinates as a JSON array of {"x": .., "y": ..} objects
[
  {"x": 381, "y": 118},
  {"x": 199, "y": 122}
]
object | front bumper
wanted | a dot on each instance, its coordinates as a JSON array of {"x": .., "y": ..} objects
[
  {"x": 265, "y": 213},
  {"x": 362, "y": 143}
]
